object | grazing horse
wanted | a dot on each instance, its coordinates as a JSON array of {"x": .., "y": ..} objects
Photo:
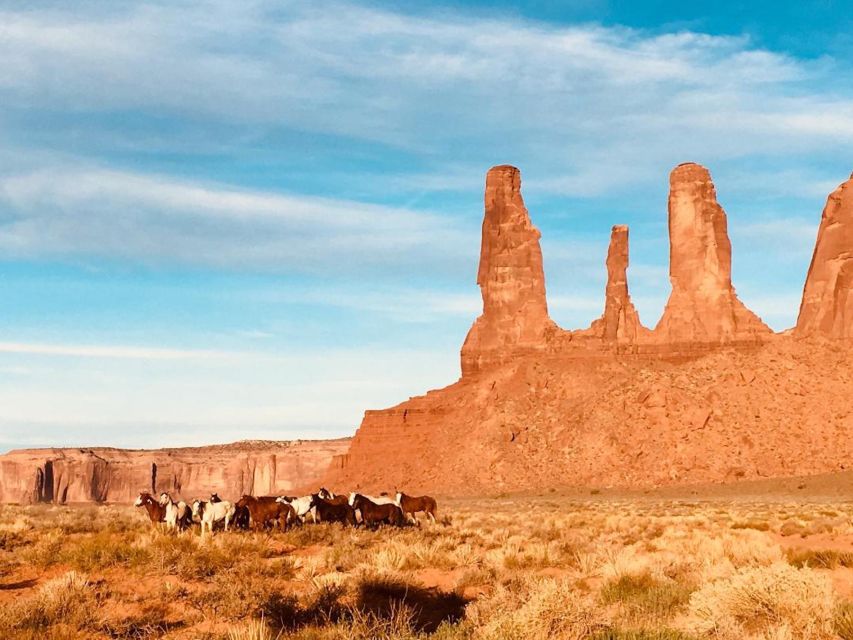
[
  {"x": 328, "y": 512},
  {"x": 412, "y": 505},
  {"x": 302, "y": 506},
  {"x": 373, "y": 514},
  {"x": 208, "y": 513},
  {"x": 178, "y": 514},
  {"x": 156, "y": 511},
  {"x": 266, "y": 510}
]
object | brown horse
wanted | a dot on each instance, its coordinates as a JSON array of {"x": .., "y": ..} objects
[
  {"x": 156, "y": 511},
  {"x": 328, "y": 512},
  {"x": 373, "y": 514},
  {"x": 265, "y": 510},
  {"x": 331, "y": 498},
  {"x": 412, "y": 505}
]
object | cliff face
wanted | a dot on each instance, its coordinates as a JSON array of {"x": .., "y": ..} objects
[
  {"x": 827, "y": 307},
  {"x": 511, "y": 278},
  {"x": 116, "y": 475},
  {"x": 710, "y": 395},
  {"x": 703, "y": 306}
]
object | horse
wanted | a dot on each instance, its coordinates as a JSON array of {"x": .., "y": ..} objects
[
  {"x": 328, "y": 512},
  {"x": 208, "y": 513},
  {"x": 156, "y": 511},
  {"x": 330, "y": 497},
  {"x": 302, "y": 506},
  {"x": 380, "y": 499},
  {"x": 373, "y": 514},
  {"x": 412, "y": 505},
  {"x": 241, "y": 517},
  {"x": 267, "y": 509},
  {"x": 178, "y": 515}
]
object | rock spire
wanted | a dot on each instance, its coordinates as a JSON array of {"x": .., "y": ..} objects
[
  {"x": 620, "y": 322},
  {"x": 827, "y": 306},
  {"x": 703, "y": 306},
  {"x": 511, "y": 278}
]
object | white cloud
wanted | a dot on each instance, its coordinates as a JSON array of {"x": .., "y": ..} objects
[
  {"x": 113, "y": 351},
  {"x": 62, "y": 210},
  {"x": 591, "y": 107}
]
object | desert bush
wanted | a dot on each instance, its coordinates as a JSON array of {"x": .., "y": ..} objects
[
  {"x": 761, "y": 599},
  {"x": 842, "y": 621},
  {"x": 12, "y": 540},
  {"x": 820, "y": 559},
  {"x": 535, "y": 610},
  {"x": 642, "y": 634},
  {"x": 67, "y": 600},
  {"x": 100, "y": 550},
  {"x": 44, "y": 552},
  {"x": 252, "y": 630},
  {"x": 645, "y": 595}
]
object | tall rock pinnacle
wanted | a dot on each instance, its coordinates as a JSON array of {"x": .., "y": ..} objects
[
  {"x": 511, "y": 279},
  {"x": 827, "y": 306},
  {"x": 620, "y": 322},
  {"x": 703, "y": 306}
]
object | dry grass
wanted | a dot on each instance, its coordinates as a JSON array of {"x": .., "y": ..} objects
[{"x": 494, "y": 568}]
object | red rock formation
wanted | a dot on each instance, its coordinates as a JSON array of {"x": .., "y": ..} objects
[
  {"x": 511, "y": 278},
  {"x": 827, "y": 306},
  {"x": 620, "y": 322},
  {"x": 703, "y": 306},
  {"x": 116, "y": 475},
  {"x": 675, "y": 408}
]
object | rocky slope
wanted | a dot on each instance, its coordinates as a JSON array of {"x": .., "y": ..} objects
[
  {"x": 118, "y": 475},
  {"x": 711, "y": 395}
]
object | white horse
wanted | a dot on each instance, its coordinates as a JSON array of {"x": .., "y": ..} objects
[
  {"x": 178, "y": 514},
  {"x": 210, "y": 512},
  {"x": 302, "y": 507}
]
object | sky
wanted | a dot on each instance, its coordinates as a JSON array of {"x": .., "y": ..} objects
[{"x": 224, "y": 221}]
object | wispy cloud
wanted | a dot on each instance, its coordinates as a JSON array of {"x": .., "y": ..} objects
[
  {"x": 591, "y": 107},
  {"x": 114, "y": 351},
  {"x": 62, "y": 211}
]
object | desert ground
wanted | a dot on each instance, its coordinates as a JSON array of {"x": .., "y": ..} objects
[{"x": 590, "y": 564}]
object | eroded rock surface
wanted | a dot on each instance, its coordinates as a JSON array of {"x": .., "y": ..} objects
[
  {"x": 118, "y": 475},
  {"x": 703, "y": 306},
  {"x": 827, "y": 306},
  {"x": 620, "y": 322},
  {"x": 711, "y": 395},
  {"x": 511, "y": 278}
]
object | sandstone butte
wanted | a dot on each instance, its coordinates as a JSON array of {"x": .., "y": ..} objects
[{"x": 710, "y": 395}]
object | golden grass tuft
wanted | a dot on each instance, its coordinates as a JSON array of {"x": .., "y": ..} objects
[{"x": 769, "y": 600}]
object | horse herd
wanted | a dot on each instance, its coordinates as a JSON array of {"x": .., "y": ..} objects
[{"x": 261, "y": 512}]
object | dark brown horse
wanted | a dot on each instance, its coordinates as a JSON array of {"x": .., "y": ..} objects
[
  {"x": 373, "y": 514},
  {"x": 332, "y": 498},
  {"x": 412, "y": 505},
  {"x": 328, "y": 512},
  {"x": 156, "y": 511},
  {"x": 266, "y": 511}
]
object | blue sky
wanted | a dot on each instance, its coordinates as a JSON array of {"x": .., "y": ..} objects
[{"x": 255, "y": 220}]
